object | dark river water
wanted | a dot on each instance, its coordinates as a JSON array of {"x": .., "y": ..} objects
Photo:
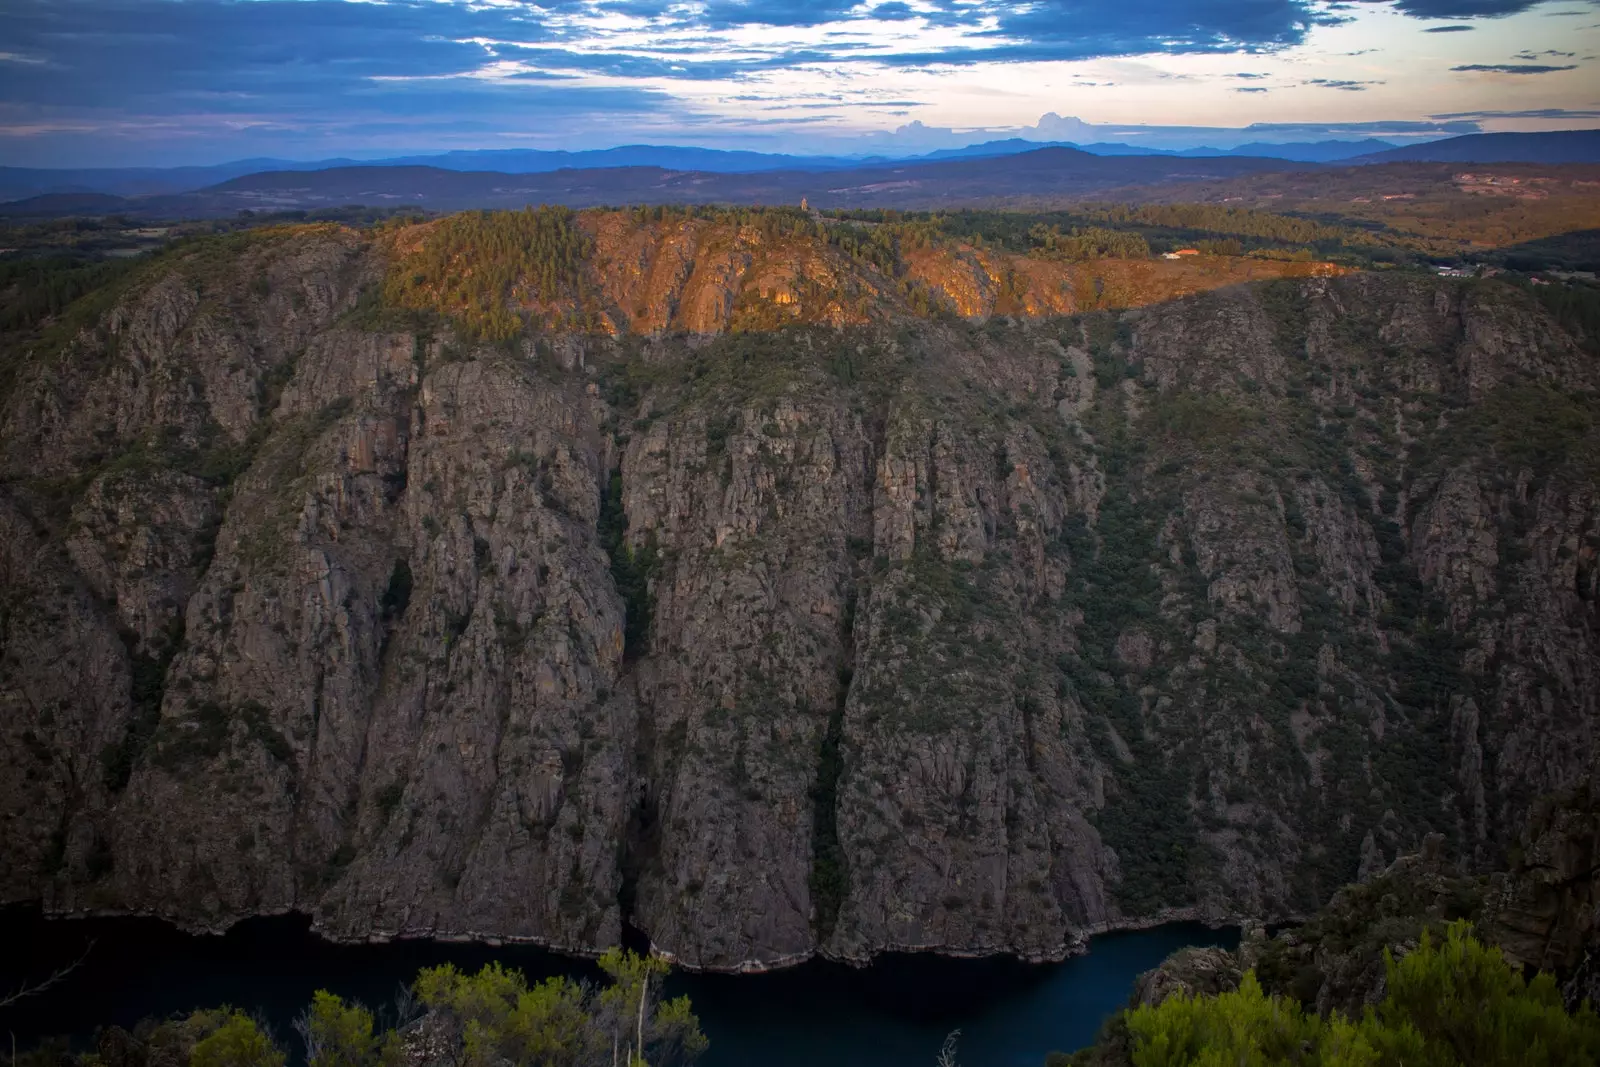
[{"x": 892, "y": 1014}]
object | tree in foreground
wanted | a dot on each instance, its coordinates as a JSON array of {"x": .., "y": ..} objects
[
  {"x": 231, "y": 1039},
  {"x": 338, "y": 1034}
]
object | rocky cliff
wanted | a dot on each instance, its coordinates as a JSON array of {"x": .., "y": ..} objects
[{"x": 880, "y": 630}]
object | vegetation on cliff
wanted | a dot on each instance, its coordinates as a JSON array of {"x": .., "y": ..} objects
[
  {"x": 478, "y": 266},
  {"x": 493, "y": 272},
  {"x": 706, "y": 270}
]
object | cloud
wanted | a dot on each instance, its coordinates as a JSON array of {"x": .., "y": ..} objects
[
  {"x": 1087, "y": 28},
  {"x": 1456, "y": 28},
  {"x": 917, "y": 136},
  {"x": 344, "y": 76},
  {"x": 1511, "y": 68},
  {"x": 167, "y": 40},
  {"x": 318, "y": 47},
  {"x": 313, "y": 69},
  {"x": 1251, "y": 89},
  {"x": 1536, "y": 113},
  {"x": 894, "y": 11},
  {"x": 314, "y": 78},
  {"x": 136, "y": 50},
  {"x": 1296, "y": 130},
  {"x": 1339, "y": 83},
  {"x": 1462, "y": 9}
]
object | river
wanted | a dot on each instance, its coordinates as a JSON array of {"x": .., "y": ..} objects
[{"x": 895, "y": 1013}]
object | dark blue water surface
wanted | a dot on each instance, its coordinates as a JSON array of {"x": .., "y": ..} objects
[{"x": 895, "y": 1013}]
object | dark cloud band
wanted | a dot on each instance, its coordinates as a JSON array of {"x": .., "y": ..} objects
[{"x": 1512, "y": 68}]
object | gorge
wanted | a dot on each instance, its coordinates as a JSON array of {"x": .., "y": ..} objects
[{"x": 775, "y": 597}]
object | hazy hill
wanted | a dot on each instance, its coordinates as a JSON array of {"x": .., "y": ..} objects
[
  {"x": 1302, "y": 152},
  {"x": 19, "y": 182},
  {"x": 1047, "y": 173},
  {"x": 1561, "y": 146},
  {"x": 1309, "y": 152},
  {"x": 56, "y": 205},
  {"x": 669, "y": 157}
]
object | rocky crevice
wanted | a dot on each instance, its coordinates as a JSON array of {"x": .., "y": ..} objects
[{"x": 830, "y": 878}]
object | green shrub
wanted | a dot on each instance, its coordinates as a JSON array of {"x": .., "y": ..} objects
[
  {"x": 338, "y": 1034},
  {"x": 1472, "y": 1008},
  {"x": 1450, "y": 1004},
  {"x": 1244, "y": 1028},
  {"x": 559, "y": 1022},
  {"x": 236, "y": 1041}
]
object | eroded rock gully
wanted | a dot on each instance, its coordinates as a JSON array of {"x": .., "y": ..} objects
[{"x": 967, "y": 637}]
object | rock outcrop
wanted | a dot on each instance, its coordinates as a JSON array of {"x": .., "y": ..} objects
[
  {"x": 970, "y": 636},
  {"x": 1544, "y": 912},
  {"x": 1540, "y": 914}
]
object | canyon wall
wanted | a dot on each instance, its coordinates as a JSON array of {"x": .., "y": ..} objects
[{"x": 876, "y": 631}]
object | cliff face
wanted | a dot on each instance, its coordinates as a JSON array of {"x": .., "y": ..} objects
[{"x": 976, "y": 636}]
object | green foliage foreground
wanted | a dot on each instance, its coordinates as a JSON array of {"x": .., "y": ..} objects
[
  {"x": 1451, "y": 1004},
  {"x": 560, "y": 1022},
  {"x": 493, "y": 1017}
]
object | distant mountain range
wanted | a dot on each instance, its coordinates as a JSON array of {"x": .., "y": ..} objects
[
  {"x": 19, "y": 182},
  {"x": 696, "y": 175},
  {"x": 1045, "y": 173}
]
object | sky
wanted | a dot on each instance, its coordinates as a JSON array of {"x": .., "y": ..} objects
[{"x": 168, "y": 82}]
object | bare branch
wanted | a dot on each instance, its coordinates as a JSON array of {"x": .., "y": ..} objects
[
  {"x": 302, "y": 1026},
  {"x": 55, "y": 979}
]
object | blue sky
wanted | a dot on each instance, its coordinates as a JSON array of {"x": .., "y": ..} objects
[{"x": 160, "y": 82}]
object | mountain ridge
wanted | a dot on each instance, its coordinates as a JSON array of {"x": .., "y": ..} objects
[
  {"x": 1054, "y": 171},
  {"x": 1556, "y": 147},
  {"x": 18, "y": 183}
]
